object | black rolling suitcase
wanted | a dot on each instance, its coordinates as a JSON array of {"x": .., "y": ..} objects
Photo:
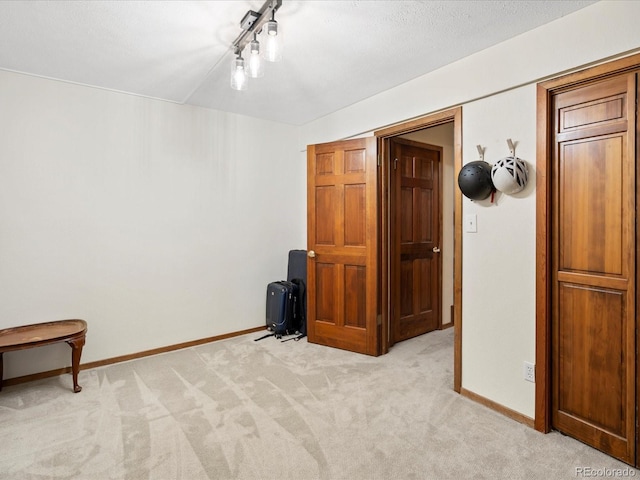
[
  {"x": 286, "y": 300},
  {"x": 283, "y": 313}
]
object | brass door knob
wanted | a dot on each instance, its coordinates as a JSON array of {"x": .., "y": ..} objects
[
  {"x": 436, "y": 249},
  {"x": 311, "y": 254}
]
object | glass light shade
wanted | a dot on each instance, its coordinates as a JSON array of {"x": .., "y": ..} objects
[
  {"x": 239, "y": 77},
  {"x": 273, "y": 42},
  {"x": 256, "y": 65}
]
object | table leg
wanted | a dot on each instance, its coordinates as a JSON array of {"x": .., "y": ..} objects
[
  {"x": 76, "y": 345},
  {"x": 1, "y": 369}
]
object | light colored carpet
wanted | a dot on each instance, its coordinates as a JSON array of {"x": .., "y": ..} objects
[{"x": 239, "y": 409}]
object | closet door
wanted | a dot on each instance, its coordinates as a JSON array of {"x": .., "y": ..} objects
[{"x": 593, "y": 272}]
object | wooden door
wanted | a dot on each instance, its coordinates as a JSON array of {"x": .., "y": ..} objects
[
  {"x": 415, "y": 232},
  {"x": 593, "y": 272},
  {"x": 342, "y": 245}
]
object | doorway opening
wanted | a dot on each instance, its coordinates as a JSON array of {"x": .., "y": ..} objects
[{"x": 421, "y": 230}]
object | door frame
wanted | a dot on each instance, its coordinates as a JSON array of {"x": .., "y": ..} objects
[
  {"x": 544, "y": 148},
  {"x": 383, "y": 137}
]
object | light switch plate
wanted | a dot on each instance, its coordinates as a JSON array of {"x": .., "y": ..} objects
[{"x": 471, "y": 223}]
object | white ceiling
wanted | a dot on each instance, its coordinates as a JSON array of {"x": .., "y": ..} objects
[{"x": 335, "y": 52}]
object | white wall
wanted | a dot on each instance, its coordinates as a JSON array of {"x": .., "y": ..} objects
[
  {"x": 155, "y": 222},
  {"x": 499, "y": 263},
  {"x": 496, "y": 88}
]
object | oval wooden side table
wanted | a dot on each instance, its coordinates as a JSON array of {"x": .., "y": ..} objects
[{"x": 72, "y": 332}]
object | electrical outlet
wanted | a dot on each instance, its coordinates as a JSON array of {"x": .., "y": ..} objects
[{"x": 529, "y": 372}]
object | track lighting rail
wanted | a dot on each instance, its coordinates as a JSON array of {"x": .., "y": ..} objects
[{"x": 252, "y": 23}]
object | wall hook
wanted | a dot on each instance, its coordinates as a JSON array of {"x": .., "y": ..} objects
[
  {"x": 481, "y": 152},
  {"x": 512, "y": 147}
]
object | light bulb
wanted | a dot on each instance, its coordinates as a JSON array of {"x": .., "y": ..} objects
[
  {"x": 256, "y": 67},
  {"x": 273, "y": 42},
  {"x": 239, "y": 79}
]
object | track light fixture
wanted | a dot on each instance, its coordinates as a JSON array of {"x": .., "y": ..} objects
[{"x": 252, "y": 25}]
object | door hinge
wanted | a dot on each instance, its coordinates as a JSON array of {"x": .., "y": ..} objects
[
  {"x": 395, "y": 164},
  {"x": 379, "y": 160}
]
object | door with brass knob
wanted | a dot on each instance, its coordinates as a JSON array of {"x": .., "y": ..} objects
[
  {"x": 416, "y": 265},
  {"x": 342, "y": 281}
]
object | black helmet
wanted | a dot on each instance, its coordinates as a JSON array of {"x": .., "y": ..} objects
[{"x": 474, "y": 180}]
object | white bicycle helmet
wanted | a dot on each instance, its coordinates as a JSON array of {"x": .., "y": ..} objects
[{"x": 510, "y": 175}]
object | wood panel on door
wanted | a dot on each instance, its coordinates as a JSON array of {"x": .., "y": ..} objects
[
  {"x": 342, "y": 298},
  {"x": 593, "y": 285},
  {"x": 415, "y": 230}
]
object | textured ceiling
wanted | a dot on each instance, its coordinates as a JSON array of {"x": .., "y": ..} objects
[{"x": 335, "y": 52}]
